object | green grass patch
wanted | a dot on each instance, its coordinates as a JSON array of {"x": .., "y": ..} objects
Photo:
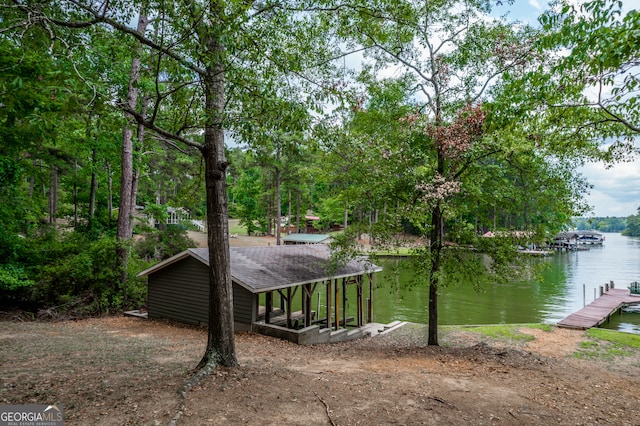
[
  {"x": 400, "y": 251},
  {"x": 236, "y": 228},
  {"x": 615, "y": 337},
  {"x": 543, "y": 327},
  {"x": 457, "y": 335},
  {"x": 510, "y": 332},
  {"x": 607, "y": 344}
]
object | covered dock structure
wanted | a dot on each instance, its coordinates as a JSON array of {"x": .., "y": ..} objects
[
  {"x": 273, "y": 288},
  {"x": 306, "y": 239}
]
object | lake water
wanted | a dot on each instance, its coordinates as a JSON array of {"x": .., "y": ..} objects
[{"x": 566, "y": 285}]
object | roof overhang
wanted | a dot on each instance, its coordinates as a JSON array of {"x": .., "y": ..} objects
[{"x": 264, "y": 269}]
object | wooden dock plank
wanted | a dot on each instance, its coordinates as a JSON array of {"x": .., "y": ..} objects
[{"x": 599, "y": 310}]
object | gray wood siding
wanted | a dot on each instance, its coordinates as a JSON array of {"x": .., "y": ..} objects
[
  {"x": 180, "y": 292},
  {"x": 243, "y": 305}
]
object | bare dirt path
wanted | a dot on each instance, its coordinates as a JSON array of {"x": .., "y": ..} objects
[
  {"x": 117, "y": 371},
  {"x": 236, "y": 240}
]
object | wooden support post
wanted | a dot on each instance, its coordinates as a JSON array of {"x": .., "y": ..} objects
[
  {"x": 306, "y": 304},
  {"x": 315, "y": 314},
  {"x": 289, "y": 307},
  {"x": 601, "y": 291},
  {"x": 606, "y": 287},
  {"x": 370, "y": 301},
  {"x": 303, "y": 299},
  {"x": 612, "y": 284},
  {"x": 359, "y": 300},
  {"x": 268, "y": 306},
  {"x": 329, "y": 296},
  {"x": 344, "y": 302},
  {"x": 337, "y": 305}
]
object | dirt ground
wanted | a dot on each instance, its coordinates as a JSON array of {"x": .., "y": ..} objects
[
  {"x": 200, "y": 239},
  {"x": 121, "y": 370}
]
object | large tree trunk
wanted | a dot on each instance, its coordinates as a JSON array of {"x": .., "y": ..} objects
[
  {"x": 345, "y": 220},
  {"x": 435, "y": 250},
  {"x": 136, "y": 170},
  {"x": 53, "y": 194},
  {"x": 109, "y": 191},
  {"x": 32, "y": 178},
  {"x": 298, "y": 211},
  {"x": 436, "y": 237},
  {"x": 75, "y": 193},
  {"x": 289, "y": 215},
  {"x": 278, "y": 207},
  {"x": 93, "y": 190},
  {"x": 221, "y": 340},
  {"x": 124, "y": 229},
  {"x": 278, "y": 200}
]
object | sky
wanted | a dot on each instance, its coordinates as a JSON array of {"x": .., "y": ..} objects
[{"x": 616, "y": 190}]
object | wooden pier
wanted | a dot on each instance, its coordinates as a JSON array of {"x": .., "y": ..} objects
[{"x": 600, "y": 309}]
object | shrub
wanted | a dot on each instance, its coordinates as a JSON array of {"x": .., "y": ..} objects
[
  {"x": 89, "y": 269},
  {"x": 162, "y": 245}
]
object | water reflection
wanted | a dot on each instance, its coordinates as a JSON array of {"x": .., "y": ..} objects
[{"x": 566, "y": 285}]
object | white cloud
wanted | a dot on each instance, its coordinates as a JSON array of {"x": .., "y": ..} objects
[
  {"x": 616, "y": 191},
  {"x": 535, "y": 4}
]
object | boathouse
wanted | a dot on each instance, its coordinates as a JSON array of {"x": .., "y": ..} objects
[
  {"x": 566, "y": 240},
  {"x": 590, "y": 237},
  {"x": 178, "y": 289},
  {"x": 570, "y": 240}
]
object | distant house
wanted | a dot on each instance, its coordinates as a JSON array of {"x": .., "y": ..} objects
[
  {"x": 179, "y": 290},
  {"x": 309, "y": 224},
  {"x": 175, "y": 216}
]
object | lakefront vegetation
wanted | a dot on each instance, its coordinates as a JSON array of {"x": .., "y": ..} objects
[
  {"x": 603, "y": 224},
  {"x": 430, "y": 118},
  {"x": 633, "y": 225}
]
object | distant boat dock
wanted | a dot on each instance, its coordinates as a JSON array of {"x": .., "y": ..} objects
[
  {"x": 577, "y": 240},
  {"x": 600, "y": 309}
]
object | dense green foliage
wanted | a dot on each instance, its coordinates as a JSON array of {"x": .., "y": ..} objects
[
  {"x": 633, "y": 225},
  {"x": 157, "y": 246},
  {"x": 68, "y": 268},
  {"x": 603, "y": 224},
  {"x": 596, "y": 75}
]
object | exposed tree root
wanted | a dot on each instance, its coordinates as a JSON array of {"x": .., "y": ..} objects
[
  {"x": 201, "y": 374},
  {"x": 197, "y": 378},
  {"x": 326, "y": 406}
]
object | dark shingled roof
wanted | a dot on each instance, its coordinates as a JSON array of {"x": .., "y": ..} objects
[{"x": 261, "y": 269}]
